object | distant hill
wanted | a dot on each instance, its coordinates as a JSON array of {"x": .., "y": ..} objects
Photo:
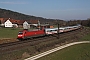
[
  {"x": 4, "y": 13},
  {"x": 15, "y": 15}
]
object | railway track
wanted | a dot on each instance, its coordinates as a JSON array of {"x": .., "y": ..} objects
[{"x": 9, "y": 47}]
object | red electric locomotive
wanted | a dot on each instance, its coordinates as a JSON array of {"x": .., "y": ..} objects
[{"x": 24, "y": 34}]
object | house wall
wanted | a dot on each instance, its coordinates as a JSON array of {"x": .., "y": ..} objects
[
  {"x": 26, "y": 25},
  {"x": 8, "y": 24}
]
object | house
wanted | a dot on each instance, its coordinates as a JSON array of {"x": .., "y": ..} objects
[
  {"x": 23, "y": 23},
  {"x": 15, "y": 23},
  {"x": 26, "y": 25},
  {"x": 8, "y": 23}
]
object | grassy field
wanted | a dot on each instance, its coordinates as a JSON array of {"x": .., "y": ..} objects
[
  {"x": 9, "y": 32},
  {"x": 76, "y": 52},
  {"x": 86, "y": 38}
]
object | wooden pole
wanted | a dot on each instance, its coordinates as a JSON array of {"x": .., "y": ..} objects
[{"x": 58, "y": 31}]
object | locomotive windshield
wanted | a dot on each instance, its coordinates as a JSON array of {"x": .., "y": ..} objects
[{"x": 20, "y": 33}]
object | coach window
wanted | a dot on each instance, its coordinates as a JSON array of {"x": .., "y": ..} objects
[{"x": 50, "y": 30}]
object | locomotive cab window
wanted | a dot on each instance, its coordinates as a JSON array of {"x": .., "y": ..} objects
[{"x": 20, "y": 33}]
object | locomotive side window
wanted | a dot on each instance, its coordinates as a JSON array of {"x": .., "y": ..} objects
[
  {"x": 55, "y": 30},
  {"x": 48, "y": 30}
]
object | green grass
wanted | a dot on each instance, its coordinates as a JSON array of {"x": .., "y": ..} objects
[
  {"x": 86, "y": 38},
  {"x": 76, "y": 52},
  {"x": 9, "y": 32}
]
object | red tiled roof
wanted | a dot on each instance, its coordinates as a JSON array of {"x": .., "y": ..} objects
[{"x": 34, "y": 21}]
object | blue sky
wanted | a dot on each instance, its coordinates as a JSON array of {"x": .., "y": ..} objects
[{"x": 54, "y": 9}]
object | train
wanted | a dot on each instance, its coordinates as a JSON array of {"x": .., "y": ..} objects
[{"x": 25, "y": 34}]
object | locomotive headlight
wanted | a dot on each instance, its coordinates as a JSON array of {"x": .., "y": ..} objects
[{"x": 20, "y": 35}]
